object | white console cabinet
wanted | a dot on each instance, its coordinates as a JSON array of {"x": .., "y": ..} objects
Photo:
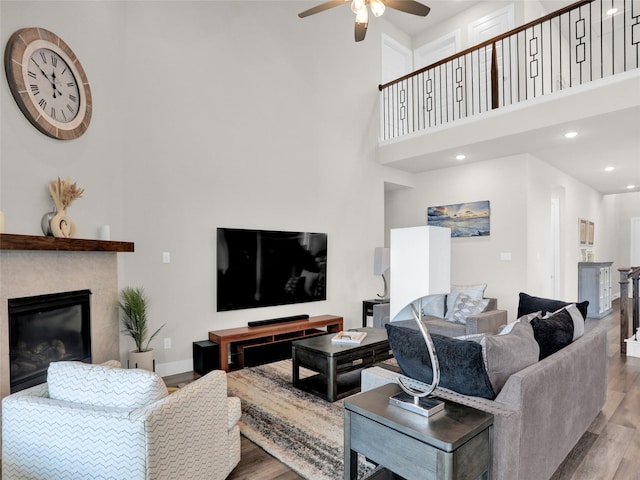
[{"x": 594, "y": 284}]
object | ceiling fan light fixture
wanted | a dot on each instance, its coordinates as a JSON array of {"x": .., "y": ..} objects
[
  {"x": 358, "y": 5},
  {"x": 377, "y": 7},
  {"x": 362, "y": 16}
]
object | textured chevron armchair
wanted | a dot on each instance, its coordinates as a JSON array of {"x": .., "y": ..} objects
[{"x": 104, "y": 422}]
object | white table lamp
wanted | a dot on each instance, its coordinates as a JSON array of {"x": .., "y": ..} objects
[{"x": 421, "y": 266}]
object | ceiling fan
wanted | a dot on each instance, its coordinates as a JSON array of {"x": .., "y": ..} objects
[{"x": 359, "y": 7}]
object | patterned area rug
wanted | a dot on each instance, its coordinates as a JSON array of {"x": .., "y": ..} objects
[{"x": 299, "y": 429}]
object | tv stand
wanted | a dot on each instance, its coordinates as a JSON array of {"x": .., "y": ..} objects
[{"x": 276, "y": 338}]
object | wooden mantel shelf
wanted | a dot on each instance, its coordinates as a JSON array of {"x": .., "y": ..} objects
[{"x": 10, "y": 241}]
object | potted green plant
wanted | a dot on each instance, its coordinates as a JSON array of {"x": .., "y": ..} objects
[{"x": 134, "y": 304}]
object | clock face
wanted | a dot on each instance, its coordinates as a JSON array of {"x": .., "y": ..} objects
[
  {"x": 53, "y": 86},
  {"x": 48, "y": 83}
]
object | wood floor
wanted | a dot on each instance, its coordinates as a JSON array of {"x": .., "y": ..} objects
[{"x": 610, "y": 449}]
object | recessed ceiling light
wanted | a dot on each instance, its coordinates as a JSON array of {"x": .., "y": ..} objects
[
  {"x": 460, "y": 157},
  {"x": 612, "y": 11},
  {"x": 609, "y": 169},
  {"x": 630, "y": 187},
  {"x": 571, "y": 134}
]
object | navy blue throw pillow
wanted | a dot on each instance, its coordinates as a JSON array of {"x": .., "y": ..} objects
[
  {"x": 553, "y": 333},
  {"x": 461, "y": 364},
  {"x": 529, "y": 304}
]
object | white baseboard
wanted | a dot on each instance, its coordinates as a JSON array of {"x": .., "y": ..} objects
[{"x": 173, "y": 368}]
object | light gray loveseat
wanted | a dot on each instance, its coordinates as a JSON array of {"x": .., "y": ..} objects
[
  {"x": 542, "y": 410},
  {"x": 488, "y": 321}
]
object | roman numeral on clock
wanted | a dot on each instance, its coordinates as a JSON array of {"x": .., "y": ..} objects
[
  {"x": 32, "y": 74},
  {"x": 54, "y": 61},
  {"x": 34, "y": 88}
]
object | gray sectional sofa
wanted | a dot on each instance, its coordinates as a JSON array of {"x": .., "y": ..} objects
[{"x": 541, "y": 411}]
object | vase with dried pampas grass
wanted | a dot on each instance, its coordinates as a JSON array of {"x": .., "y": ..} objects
[{"x": 63, "y": 193}]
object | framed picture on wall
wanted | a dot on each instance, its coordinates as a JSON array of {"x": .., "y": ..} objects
[
  {"x": 590, "y": 232},
  {"x": 582, "y": 231},
  {"x": 471, "y": 219}
]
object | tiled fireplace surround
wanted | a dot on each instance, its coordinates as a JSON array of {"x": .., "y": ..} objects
[{"x": 27, "y": 273}]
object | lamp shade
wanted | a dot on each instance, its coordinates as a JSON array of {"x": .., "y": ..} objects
[
  {"x": 381, "y": 260},
  {"x": 420, "y": 264}
]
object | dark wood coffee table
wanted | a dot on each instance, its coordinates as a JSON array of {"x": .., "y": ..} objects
[{"x": 338, "y": 366}]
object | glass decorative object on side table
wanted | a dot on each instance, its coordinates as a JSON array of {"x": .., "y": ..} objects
[{"x": 415, "y": 395}]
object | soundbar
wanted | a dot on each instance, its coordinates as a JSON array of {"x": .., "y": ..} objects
[{"x": 271, "y": 321}]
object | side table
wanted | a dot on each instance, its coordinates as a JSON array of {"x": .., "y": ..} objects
[
  {"x": 367, "y": 308},
  {"x": 453, "y": 444}
]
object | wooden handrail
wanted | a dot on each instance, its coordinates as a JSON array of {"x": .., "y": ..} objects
[
  {"x": 627, "y": 273},
  {"x": 492, "y": 42}
]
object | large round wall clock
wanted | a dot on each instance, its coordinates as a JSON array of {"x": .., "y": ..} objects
[{"x": 48, "y": 83}]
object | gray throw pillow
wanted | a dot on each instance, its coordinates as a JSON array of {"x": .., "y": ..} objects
[
  {"x": 473, "y": 291},
  {"x": 525, "y": 318},
  {"x": 466, "y": 306},
  {"x": 510, "y": 353}
]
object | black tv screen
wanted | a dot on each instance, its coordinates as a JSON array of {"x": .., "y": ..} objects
[{"x": 261, "y": 268}]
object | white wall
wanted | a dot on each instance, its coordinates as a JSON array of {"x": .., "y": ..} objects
[
  {"x": 474, "y": 260},
  {"x": 576, "y": 201},
  {"x": 520, "y": 189},
  {"x": 29, "y": 159},
  {"x": 461, "y": 21},
  {"x": 209, "y": 114},
  {"x": 619, "y": 209}
]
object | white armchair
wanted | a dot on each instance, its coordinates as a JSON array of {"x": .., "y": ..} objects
[{"x": 112, "y": 423}]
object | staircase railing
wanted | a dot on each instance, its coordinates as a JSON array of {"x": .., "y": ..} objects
[
  {"x": 572, "y": 46},
  {"x": 626, "y": 274}
]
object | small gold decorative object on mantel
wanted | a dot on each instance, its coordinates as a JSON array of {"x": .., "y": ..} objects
[{"x": 63, "y": 193}]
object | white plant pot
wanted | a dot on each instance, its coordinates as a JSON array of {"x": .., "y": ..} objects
[{"x": 144, "y": 360}]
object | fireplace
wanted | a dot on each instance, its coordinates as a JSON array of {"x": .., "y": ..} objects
[{"x": 45, "y": 329}]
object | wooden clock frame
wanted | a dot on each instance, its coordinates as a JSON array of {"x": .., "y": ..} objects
[{"x": 16, "y": 59}]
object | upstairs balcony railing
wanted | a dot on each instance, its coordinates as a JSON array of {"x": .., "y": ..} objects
[{"x": 572, "y": 46}]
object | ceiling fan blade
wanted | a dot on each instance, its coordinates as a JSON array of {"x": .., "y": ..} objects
[
  {"x": 408, "y": 6},
  {"x": 321, "y": 8},
  {"x": 361, "y": 31}
]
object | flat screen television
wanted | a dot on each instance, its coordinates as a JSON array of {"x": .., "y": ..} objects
[{"x": 261, "y": 268}]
